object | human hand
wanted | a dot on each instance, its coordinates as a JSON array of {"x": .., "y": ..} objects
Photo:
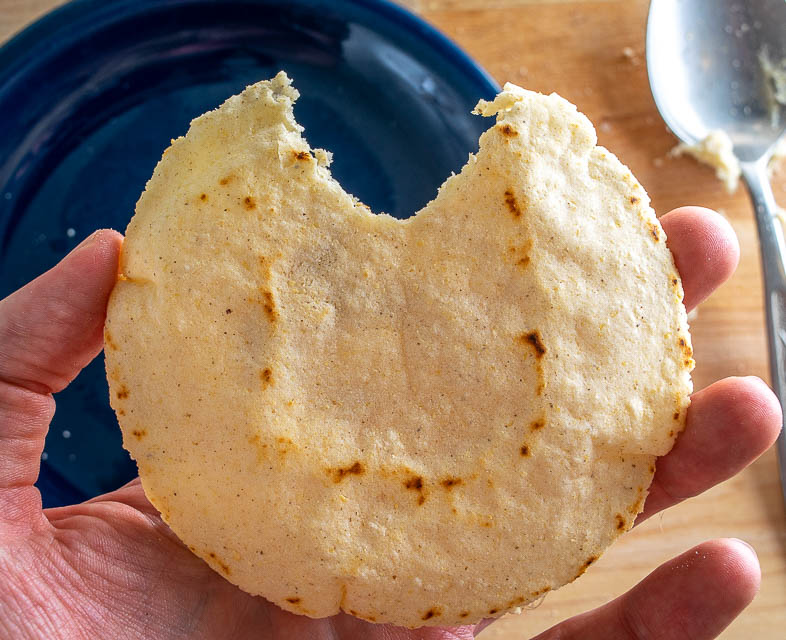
[{"x": 110, "y": 568}]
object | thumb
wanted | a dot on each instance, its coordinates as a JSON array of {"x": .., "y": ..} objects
[{"x": 49, "y": 330}]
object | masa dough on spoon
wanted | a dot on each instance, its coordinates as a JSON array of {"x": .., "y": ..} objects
[{"x": 427, "y": 421}]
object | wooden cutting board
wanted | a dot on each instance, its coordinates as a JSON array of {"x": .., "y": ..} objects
[{"x": 593, "y": 54}]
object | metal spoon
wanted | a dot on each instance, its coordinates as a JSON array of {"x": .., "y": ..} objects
[{"x": 705, "y": 69}]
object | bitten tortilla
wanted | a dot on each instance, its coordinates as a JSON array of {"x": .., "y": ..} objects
[{"x": 423, "y": 422}]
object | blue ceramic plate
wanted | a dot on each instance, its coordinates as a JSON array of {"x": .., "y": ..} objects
[{"x": 91, "y": 95}]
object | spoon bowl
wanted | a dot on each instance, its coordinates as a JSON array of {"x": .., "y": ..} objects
[{"x": 705, "y": 60}]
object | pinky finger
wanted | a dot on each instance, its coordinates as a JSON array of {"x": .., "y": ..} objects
[{"x": 696, "y": 595}]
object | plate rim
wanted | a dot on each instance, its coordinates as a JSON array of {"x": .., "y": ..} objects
[{"x": 18, "y": 51}]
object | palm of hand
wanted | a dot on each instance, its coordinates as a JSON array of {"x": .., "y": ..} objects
[{"x": 111, "y": 568}]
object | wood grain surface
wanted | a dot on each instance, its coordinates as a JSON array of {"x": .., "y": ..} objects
[{"x": 576, "y": 48}]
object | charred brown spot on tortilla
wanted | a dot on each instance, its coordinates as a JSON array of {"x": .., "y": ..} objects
[
  {"x": 493, "y": 611},
  {"x": 122, "y": 392},
  {"x": 463, "y": 614},
  {"x": 524, "y": 451},
  {"x": 249, "y": 203},
  {"x": 226, "y": 180},
  {"x": 621, "y": 523},
  {"x": 431, "y": 613},
  {"x": 302, "y": 155},
  {"x": 139, "y": 433},
  {"x": 269, "y": 305},
  {"x": 355, "y": 469},
  {"x": 295, "y": 600},
  {"x": 224, "y": 568},
  {"x": 121, "y": 412},
  {"x": 652, "y": 468},
  {"x": 676, "y": 415},
  {"x": 538, "y": 424},
  {"x": 654, "y": 230},
  {"x": 109, "y": 341},
  {"x": 266, "y": 375},
  {"x": 508, "y": 131},
  {"x": 415, "y": 483},
  {"x": 512, "y": 203},
  {"x": 228, "y": 311},
  {"x": 284, "y": 446},
  {"x": 535, "y": 340},
  {"x": 635, "y": 508},
  {"x": 634, "y": 200},
  {"x": 451, "y": 482},
  {"x": 590, "y": 560},
  {"x": 203, "y": 197}
]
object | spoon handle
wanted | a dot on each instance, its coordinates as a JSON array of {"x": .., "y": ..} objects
[{"x": 773, "y": 260}]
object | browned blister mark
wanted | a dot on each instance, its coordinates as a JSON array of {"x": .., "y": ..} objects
[
  {"x": 121, "y": 412},
  {"x": 294, "y": 600},
  {"x": 226, "y": 180},
  {"x": 355, "y": 469},
  {"x": 463, "y": 614},
  {"x": 221, "y": 565},
  {"x": 266, "y": 375},
  {"x": 676, "y": 415},
  {"x": 520, "y": 255},
  {"x": 537, "y": 425},
  {"x": 285, "y": 445},
  {"x": 122, "y": 392},
  {"x": 431, "y": 613},
  {"x": 535, "y": 340},
  {"x": 249, "y": 203},
  {"x": 493, "y": 610},
  {"x": 508, "y": 131},
  {"x": 525, "y": 451},
  {"x": 301, "y": 155},
  {"x": 139, "y": 433},
  {"x": 621, "y": 522},
  {"x": 203, "y": 197},
  {"x": 635, "y": 508},
  {"x": 450, "y": 482},
  {"x": 687, "y": 351},
  {"x": 512, "y": 203},
  {"x": 109, "y": 341},
  {"x": 654, "y": 230},
  {"x": 585, "y": 566},
  {"x": 269, "y": 305},
  {"x": 634, "y": 200},
  {"x": 415, "y": 483}
]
